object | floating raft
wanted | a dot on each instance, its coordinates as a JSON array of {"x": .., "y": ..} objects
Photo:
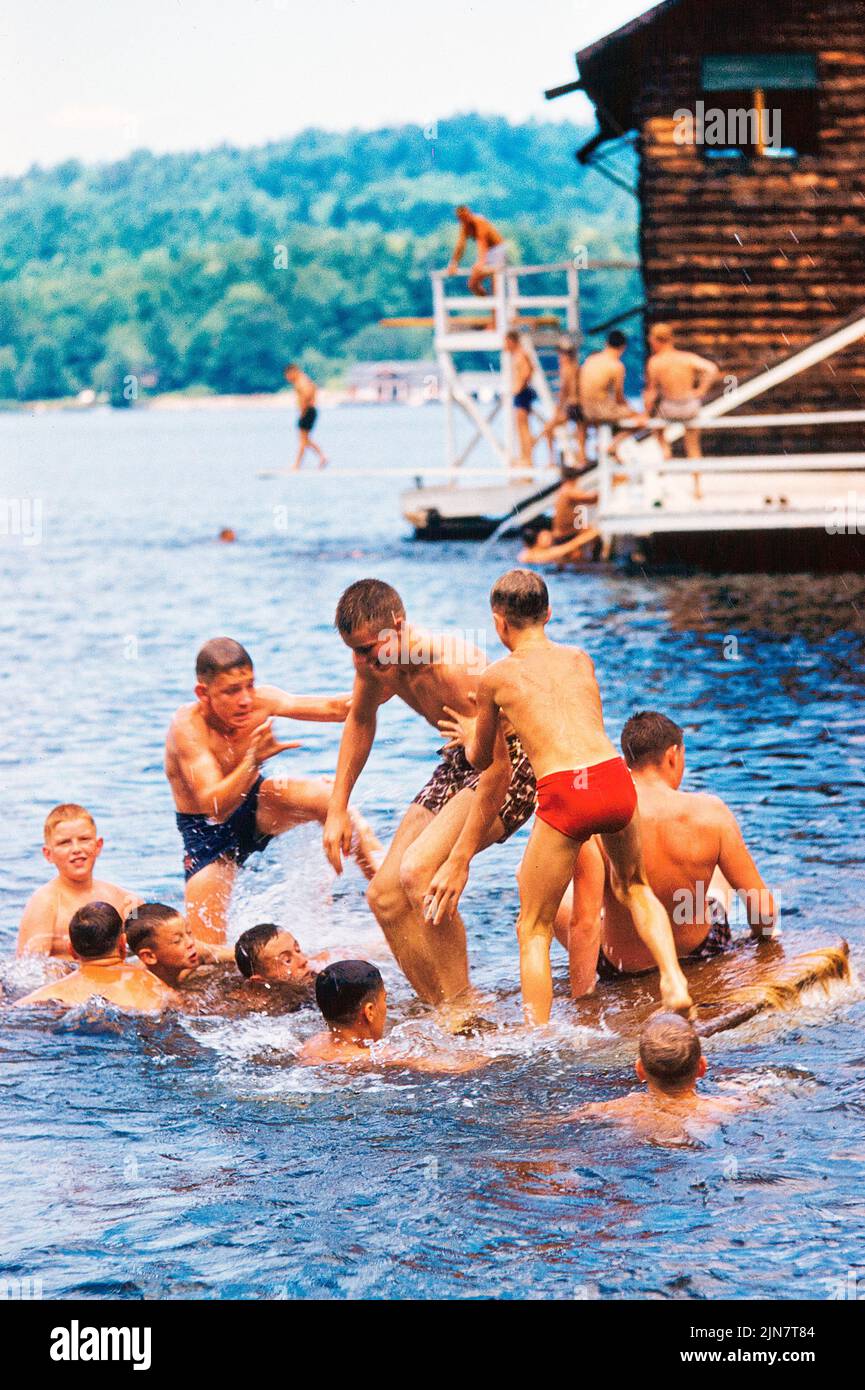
[{"x": 727, "y": 990}]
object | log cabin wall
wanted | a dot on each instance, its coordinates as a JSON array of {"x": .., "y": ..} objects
[{"x": 748, "y": 260}]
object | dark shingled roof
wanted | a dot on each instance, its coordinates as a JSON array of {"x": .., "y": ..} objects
[{"x": 610, "y": 71}]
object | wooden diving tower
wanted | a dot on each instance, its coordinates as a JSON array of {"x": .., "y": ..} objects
[{"x": 471, "y": 502}]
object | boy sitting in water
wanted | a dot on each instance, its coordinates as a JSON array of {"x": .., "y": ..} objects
[
  {"x": 99, "y": 946},
  {"x": 353, "y": 1001},
  {"x": 72, "y": 845},
  {"x": 162, "y": 940},
  {"x": 670, "y": 1062}
]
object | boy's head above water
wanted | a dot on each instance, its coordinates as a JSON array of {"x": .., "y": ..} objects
[
  {"x": 671, "y": 1058},
  {"x": 519, "y": 599},
  {"x": 225, "y": 682},
  {"x": 352, "y": 998},
  {"x": 95, "y": 931},
  {"x": 267, "y": 953},
  {"x": 161, "y": 938},
  {"x": 368, "y": 615},
  {"x": 70, "y": 841}
]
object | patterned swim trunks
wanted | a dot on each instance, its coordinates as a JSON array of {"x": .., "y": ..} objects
[
  {"x": 455, "y": 772},
  {"x": 718, "y": 940}
]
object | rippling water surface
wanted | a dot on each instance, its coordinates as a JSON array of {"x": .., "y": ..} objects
[{"x": 192, "y": 1158}]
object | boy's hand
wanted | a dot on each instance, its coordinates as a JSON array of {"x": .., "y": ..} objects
[
  {"x": 338, "y": 830},
  {"x": 130, "y": 902},
  {"x": 264, "y": 744},
  {"x": 213, "y": 952},
  {"x": 458, "y": 728},
  {"x": 442, "y": 897}
]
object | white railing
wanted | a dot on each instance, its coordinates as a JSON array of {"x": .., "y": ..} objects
[{"x": 646, "y": 472}]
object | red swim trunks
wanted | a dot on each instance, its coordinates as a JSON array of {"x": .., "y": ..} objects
[{"x": 588, "y": 801}]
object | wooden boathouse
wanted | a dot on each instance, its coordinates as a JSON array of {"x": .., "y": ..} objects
[{"x": 752, "y": 226}]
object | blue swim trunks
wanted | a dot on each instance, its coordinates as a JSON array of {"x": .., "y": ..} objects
[
  {"x": 205, "y": 841},
  {"x": 524, "y": 399}
]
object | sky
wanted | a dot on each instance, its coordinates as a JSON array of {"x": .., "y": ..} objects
[{"x": 94, "y": 79}]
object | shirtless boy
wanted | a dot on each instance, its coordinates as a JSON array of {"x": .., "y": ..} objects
[
  {"x": 686, "y": 837},
  {"x": 162, "y": 940},
  {"x": 676, "y": 384},
  {"x": 491, "y": 255},
  {"x": 525, "y": 395},
  {"x": 568, "y": 409},
  {"x": 72, "y": 845},
  {"x": 430, "y": 672},
  {"x": 602, "y": 384},
  {"x": 99, "y": 946},
  {"x": 306, "y": 391},
  {"x": 671, "y": 1109},
  {"x": 353, "y": 1002},
  {"x": 549, "y": 695},
  {"x": 268, "y": 955},
  {"x": 226, "y": 809}
]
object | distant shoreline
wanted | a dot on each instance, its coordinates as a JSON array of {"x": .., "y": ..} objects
[{"x": 177, "y": 400}]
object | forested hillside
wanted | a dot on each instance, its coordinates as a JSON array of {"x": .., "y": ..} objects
[{"x": 212, "y": 269}]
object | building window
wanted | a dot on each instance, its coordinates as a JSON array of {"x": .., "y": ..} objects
[{"x": 760, "y": 106}]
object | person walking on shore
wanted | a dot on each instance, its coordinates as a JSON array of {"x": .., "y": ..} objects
[{"x": 306, "y": 391}]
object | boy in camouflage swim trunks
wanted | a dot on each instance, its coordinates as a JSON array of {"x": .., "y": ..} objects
[{"x": 434, "y": 674}]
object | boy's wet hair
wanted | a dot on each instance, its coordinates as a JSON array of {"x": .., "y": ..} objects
[
  {"x": 670, "y": 1050},
  {"x": 94, "y": 930},
  {"x": 343, "y": 988},
  {"x": 219, "y": 655},
  {"x": 67, "y": 810},
  {"x": 368, "y": 602},
  {"x": 141, "y": 924},
  {"x": 521, "y": 596},
  {"x": 249, "y": 945},
  {"x": 616, "y": 339},
  {"x": 646, "y": 737}
]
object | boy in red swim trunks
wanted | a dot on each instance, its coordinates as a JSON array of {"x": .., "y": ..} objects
[{"x": 550, "y": 696}]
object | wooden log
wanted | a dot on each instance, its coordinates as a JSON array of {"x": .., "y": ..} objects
[{"x": 783, "y": 988}]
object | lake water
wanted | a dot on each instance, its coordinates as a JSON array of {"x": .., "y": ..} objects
[{"x": 193, "y": 1158}]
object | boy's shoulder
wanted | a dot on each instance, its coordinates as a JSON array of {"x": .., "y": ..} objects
[
  {"x": 54, "y": 992},
  {"x": 498, "y": 670},
  {"x": 45, "y": 895}
]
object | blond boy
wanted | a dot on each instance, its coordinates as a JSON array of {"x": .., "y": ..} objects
[{"x": 72, "y": 845}]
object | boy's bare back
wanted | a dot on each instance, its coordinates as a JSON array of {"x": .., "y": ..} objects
[
  {"x": 550, "y": 695},
  {"x": 130, "y": 987}
]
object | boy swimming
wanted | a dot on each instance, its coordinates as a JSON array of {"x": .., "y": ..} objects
[
  {"x": 72, "y": 845},
  {"x": 353, "y": 1002},
  {"x": 269, "y": 955},
  {"x": 549, "y": 695},
  {"x": 99, "y": 946},
  {"x": 226, "y": 809},
  {"x": 162, "y": 940},
  {"x": 670, "y": 1063}
]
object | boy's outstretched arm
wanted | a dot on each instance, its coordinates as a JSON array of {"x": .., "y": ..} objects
[{"x": 322, "y": 709}]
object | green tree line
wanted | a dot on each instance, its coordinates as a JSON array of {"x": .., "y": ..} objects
[{"x": 211, "y": 270}]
